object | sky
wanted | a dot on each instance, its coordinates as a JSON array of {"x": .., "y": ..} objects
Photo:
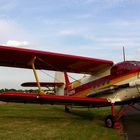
[{"x": 92, "y": 28}]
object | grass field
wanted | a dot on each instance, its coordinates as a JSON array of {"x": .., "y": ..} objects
[{"x": 43, "y": 122}]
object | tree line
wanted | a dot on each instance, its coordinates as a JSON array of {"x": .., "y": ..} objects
[{"x": 19, "y": 90}]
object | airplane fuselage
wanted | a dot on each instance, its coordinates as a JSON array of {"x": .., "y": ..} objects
[{"x": 123, "y": 83}]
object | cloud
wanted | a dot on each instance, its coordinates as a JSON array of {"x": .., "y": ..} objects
[
  {"x": 13, "y": 34},
  {"x": 110, "y": 2},
  {"x": 8, "y": 6},
  {"x": 16, "y": 43},
  {"x": 10, "y": 30},
  {"x": 67, "y": 32}
]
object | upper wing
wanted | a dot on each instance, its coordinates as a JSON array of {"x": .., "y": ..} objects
[{"x": 17, "y": 57}]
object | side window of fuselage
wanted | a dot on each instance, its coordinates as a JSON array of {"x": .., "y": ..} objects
[{"x": 120, "y": 69}]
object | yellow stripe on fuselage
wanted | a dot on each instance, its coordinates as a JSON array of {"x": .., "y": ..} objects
[
  {"x": 75, "y": 84},
  {"x": 112, "y": 82}
]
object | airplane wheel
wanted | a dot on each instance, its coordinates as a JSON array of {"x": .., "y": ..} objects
[
  {"x": 110, "y": 121},
  {"x": 67, "y": 110}
]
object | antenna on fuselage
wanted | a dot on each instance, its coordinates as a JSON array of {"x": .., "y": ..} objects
[{"x": 124, "y": 54}]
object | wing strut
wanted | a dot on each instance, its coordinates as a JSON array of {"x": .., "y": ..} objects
[{"x": 36, "y": 76}]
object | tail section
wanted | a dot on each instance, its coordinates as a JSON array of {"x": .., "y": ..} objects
[{"x": 60, "y": 77}]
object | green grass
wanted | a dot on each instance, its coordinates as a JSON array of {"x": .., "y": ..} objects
[{"x": 43, "y": 122}]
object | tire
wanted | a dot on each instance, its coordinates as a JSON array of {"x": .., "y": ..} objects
[
  {"x": 110, "y": 121},
  {"x": 67, "y": 110}
]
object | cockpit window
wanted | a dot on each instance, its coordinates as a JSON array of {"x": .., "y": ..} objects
[
  {"x": 135, "y": 63},
  {"x": 124, "y": 67}
]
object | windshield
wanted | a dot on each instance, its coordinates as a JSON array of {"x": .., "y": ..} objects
[{"x": 124, "y": 67}]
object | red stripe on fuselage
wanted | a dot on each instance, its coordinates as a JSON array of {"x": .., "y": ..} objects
[{"x": 102, "y": 82}]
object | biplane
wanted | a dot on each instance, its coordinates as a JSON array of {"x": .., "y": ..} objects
[{"x": 107, "y": 84}]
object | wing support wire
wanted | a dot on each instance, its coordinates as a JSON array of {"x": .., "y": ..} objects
[{"x": 32, "y": 63}]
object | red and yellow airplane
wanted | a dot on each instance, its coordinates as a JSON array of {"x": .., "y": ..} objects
[{"x": 108, "y": 84}]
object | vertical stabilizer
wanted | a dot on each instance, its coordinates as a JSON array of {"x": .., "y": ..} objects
[{"x": 59, "y": 77}]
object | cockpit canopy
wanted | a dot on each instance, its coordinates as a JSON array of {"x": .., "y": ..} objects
[{"x": 124, "y": 67}]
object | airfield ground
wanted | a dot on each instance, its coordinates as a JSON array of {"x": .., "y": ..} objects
[
  {"x": 131, "y": 122},
  {"x": 43, "y": 122}
]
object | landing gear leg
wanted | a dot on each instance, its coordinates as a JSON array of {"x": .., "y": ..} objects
[
  {"x": 123, "y": 109},
  {"x": 113, "y": 121},
  {"x": 110, "y": 119}
]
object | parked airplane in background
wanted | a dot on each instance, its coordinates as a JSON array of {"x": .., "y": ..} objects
[{"x": 108, "y": 84}]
